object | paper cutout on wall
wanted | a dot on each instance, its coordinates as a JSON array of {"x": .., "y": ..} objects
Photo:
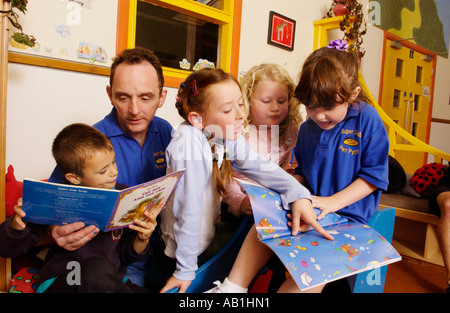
[
  {"x": 63, "y": 30},
  {"x": 92, "y": 52},
  {"x": 203, "y": 63},
  {"x": 185, "y": 65}
]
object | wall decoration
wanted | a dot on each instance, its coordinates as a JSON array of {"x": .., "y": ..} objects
[
  {"x": 425, "y": 23},
  {"x": 281, "y": 31},
  {"x": 185, "y": 65},
  {"x": 76, "y": 35},
  {"x": 203, "y": 63}
]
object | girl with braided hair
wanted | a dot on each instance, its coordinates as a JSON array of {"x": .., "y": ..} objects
[{"x": 209, "y": 145}]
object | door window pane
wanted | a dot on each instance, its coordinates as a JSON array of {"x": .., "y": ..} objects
[
  {"x": 175, "y": 37},
  {"x": 399, "y": 68},
  {"x": 396, "y": 101},
  {"x": 419, "y": 75},
  {"x": 414, "y": 129},
  {"x": 416, "y": 102}
]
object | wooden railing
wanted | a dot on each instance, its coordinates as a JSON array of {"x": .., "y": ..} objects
[{"x": 395, "y": 132}]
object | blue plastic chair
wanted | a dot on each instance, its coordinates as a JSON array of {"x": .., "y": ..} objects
[
  {"x": 219, "y": 266},
  {"x": 373, "y": 281}
]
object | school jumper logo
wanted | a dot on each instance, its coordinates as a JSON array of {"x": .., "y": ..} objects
[{"x": 350, "y": 144}]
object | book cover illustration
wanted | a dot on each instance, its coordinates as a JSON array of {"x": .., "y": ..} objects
[
  {"x": 108, "y": 209},
  {"x": 309, "y": 257}
]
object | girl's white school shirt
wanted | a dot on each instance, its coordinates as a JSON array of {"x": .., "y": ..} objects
[{"x": 188, "y": 221}]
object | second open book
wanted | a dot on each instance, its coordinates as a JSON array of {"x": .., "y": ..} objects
[{"x": 309, "y": 257}]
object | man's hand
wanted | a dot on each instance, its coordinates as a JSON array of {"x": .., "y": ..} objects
[{"x": 73, "y": 236}]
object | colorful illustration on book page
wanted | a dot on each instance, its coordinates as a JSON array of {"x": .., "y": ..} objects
[
  {"x": 135, "y": 201},
  {"x": 312, "y": 260},
  {"x": 270, "y": 216}
]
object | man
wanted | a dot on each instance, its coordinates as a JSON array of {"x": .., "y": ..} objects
[
  {"x": 440, "y": 205},
  {"x": 138, "y": 137}
]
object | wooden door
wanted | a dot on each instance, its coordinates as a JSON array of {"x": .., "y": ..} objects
[{"x": 406, "y": 96}]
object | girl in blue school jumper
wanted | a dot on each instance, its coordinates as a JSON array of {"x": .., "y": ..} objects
[
  {"x": 209, "y": 145},
  {"x": 342, "y": 153},
  {"x": 342, "y": 149}
]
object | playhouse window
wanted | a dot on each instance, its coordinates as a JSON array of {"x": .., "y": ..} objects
[
  {"x": 179, "y": 40},
  {"x": 181, "y": 32}
]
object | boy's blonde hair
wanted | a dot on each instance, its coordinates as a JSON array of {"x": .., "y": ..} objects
[
  {"x": 276, "y": 73},
  {"x": 77, "y": 143}
]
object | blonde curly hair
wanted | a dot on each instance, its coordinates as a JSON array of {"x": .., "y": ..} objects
[{"x": 276, "y": 73}]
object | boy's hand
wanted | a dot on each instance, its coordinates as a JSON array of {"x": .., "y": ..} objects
[
  {"x": 17, "y": 222},
  {"x": 303, "y": 216},
  {"x": 146, "y": 226}
]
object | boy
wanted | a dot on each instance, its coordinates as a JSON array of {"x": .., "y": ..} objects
[
  {"x": 87, "y": 158},
  {"x": 136, "y": 91}
]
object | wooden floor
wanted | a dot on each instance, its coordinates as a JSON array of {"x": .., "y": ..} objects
[{"x": 415, "y": 276}]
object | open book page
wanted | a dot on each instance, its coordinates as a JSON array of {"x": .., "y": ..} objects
[
  {"x": 133, "y": 202},
  {"x": 309, "y": 257}
]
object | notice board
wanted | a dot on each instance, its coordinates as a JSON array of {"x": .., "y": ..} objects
[{"x": 82, "y": 31}]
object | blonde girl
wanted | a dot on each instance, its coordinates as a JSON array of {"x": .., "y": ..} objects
[{"x": 271, "y": 127}]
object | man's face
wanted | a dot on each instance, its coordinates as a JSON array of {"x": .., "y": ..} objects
[{"x": 135, "y": 93}]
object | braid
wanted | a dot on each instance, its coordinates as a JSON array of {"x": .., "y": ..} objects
[
  {"x": 224, "y": 175},
  {"x": 226, "y": 170}
]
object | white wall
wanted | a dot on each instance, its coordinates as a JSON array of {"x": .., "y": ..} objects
[
  {"x": 255, "y": 23},
  {"x": 40, "y": 102},
  {"x": 371, "y": 62}
]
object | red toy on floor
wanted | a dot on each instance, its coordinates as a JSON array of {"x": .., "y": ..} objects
[{"x": 25, "y": 281}]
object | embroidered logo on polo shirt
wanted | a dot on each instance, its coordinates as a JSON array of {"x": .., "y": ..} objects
[
  {"x": 116, "y": 234},
  {"x": 349, "y": 146},
  {"x": 351, "y": 142},
  {"x": 160, "y": 162}
]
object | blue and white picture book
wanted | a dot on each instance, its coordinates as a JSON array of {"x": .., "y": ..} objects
[
  {"x": 310, "y": 258},
  {"x": 108, "y": 209}
]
